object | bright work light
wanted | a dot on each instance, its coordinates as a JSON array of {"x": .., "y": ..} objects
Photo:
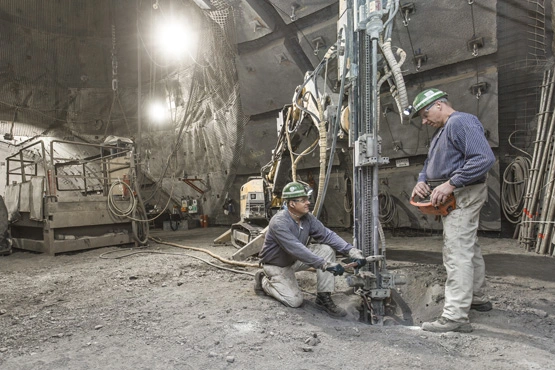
[
  {"x": 158, "y": 112},
  {"x": 174, "y": 39}
]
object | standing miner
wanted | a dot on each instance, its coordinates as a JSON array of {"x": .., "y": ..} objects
[{"x": 458, "y": 162}]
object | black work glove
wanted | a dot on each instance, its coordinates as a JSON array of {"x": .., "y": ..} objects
[
  {"x": 359, "y": 261},
  {"x": 357, "y": 257},
  {"x": 334, "y": 268}
]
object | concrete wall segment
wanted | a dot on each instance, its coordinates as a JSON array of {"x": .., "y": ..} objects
[
  {"x": 324, "y": 34},
  {"x": 414, "y": 138},
  {"x": 251, "y": 20},
  {"x": 292, "y": 10},
  {"x": 268, "y": 78},
  {"x": 440, "y": 29}
]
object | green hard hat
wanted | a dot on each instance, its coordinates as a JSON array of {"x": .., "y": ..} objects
[
  {"x": 293, "y": 190},
  {"x": 427, "y": 97}
]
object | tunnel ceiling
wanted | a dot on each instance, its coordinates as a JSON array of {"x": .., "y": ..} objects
[
  {"x": 57, "y": 56},
  {"x": 50, "y": 51},
  {"x": 277, "y": 50}
]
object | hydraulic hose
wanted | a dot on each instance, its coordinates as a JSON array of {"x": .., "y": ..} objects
[
  {"x": 312, "y": 75},
  {"x": 348, "y": 197},
  {"x": 388, "y": 25},
  {"x": 140, "y": 225},
  {"x": 380, "y": 83},
  {"x": 382, "y": 238},
  {"x": 335, "y": 127},
  {"x": 397, "y": 75},
  {"x": 224, "y": 260},
  {"x": 323, "y": 142}
]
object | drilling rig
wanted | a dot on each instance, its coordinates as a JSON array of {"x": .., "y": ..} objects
[
  {"x": 364, "y": 33},
  {"x": 344, "y": 120}
]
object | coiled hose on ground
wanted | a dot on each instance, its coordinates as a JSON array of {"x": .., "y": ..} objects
[
  {"x": 135, "y": 211},
  {"x": 514, "y": 188}
]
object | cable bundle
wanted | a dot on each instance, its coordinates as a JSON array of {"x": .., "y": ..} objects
[
  {"x": 513, "y": 189},
  {"x": 388, "y": 209}
]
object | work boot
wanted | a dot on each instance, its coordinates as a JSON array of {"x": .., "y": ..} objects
[
  {"x": 481, "y": 307},
  {"x": 443, "y": 325},
  {"x": 258, "y": 276},
  {"x": 6, "y": 247},
  {"x": 324, "y": 301}
]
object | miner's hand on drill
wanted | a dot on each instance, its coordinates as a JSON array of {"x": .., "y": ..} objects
[
  {"x": 334, "y": 268},
  {"x": 357, "y": 258}
]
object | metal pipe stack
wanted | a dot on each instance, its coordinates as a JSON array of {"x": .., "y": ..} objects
[{"x": 539, "y": 202}]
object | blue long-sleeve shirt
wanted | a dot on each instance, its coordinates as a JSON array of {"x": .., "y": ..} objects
[
  {"x": 285, "y": 241},
  {"x": 459, "y": 151}
]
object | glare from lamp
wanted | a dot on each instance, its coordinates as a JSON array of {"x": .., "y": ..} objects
[
  {"x": 174, "y": 39},
  {"x": 158, "y": 112}
]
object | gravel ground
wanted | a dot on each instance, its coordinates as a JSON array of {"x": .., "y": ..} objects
[{"x": 159, "y": 308}]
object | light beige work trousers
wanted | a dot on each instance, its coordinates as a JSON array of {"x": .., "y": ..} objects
[
  {"x": 281, "y": 283},
  {"x": 462, "y": 256}
]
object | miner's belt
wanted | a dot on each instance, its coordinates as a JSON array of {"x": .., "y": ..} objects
[{"x": 434, "y": 183}]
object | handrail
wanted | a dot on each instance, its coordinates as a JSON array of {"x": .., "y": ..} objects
[
  {"x": 86, "y": 173},
  {"x": 21, "y": 161}
]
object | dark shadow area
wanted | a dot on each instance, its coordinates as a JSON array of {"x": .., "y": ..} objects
[
  {"x": 498, "y": 264},
  {"x": 403, "y": 255},
  {"x": 532, "y": 266},
  {"x": 399, "y": 310}
]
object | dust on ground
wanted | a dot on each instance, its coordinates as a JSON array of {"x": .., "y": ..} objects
[{"x": 160, "y": 309}]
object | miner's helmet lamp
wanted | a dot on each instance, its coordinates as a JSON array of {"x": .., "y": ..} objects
[
  {"x": 295, "y": 190},
  {"x": 423, "y": 100}
]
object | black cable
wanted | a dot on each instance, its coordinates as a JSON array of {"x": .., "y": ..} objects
[
  {"x": 473, "y": 23},
  {"x": 314, "y": 75},
  {"x": 336, "y": 123},
  {"x": 176, "y": 224},
  {"x": 388, "y": 209},
  {"x": 393, "y": 139},
  {"x": 406, "y": 22}
]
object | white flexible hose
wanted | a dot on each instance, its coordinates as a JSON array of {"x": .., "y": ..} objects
[
  {"x": 395, "y": 66},
  {"x": 112, "y": 206}
]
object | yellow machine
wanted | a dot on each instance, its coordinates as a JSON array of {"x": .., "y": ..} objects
[
  {"x": 255, "y": 196},
  {"x": 258, "y": 204}
]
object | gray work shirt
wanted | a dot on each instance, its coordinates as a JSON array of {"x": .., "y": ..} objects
[{"x": 285, "y": 241}]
